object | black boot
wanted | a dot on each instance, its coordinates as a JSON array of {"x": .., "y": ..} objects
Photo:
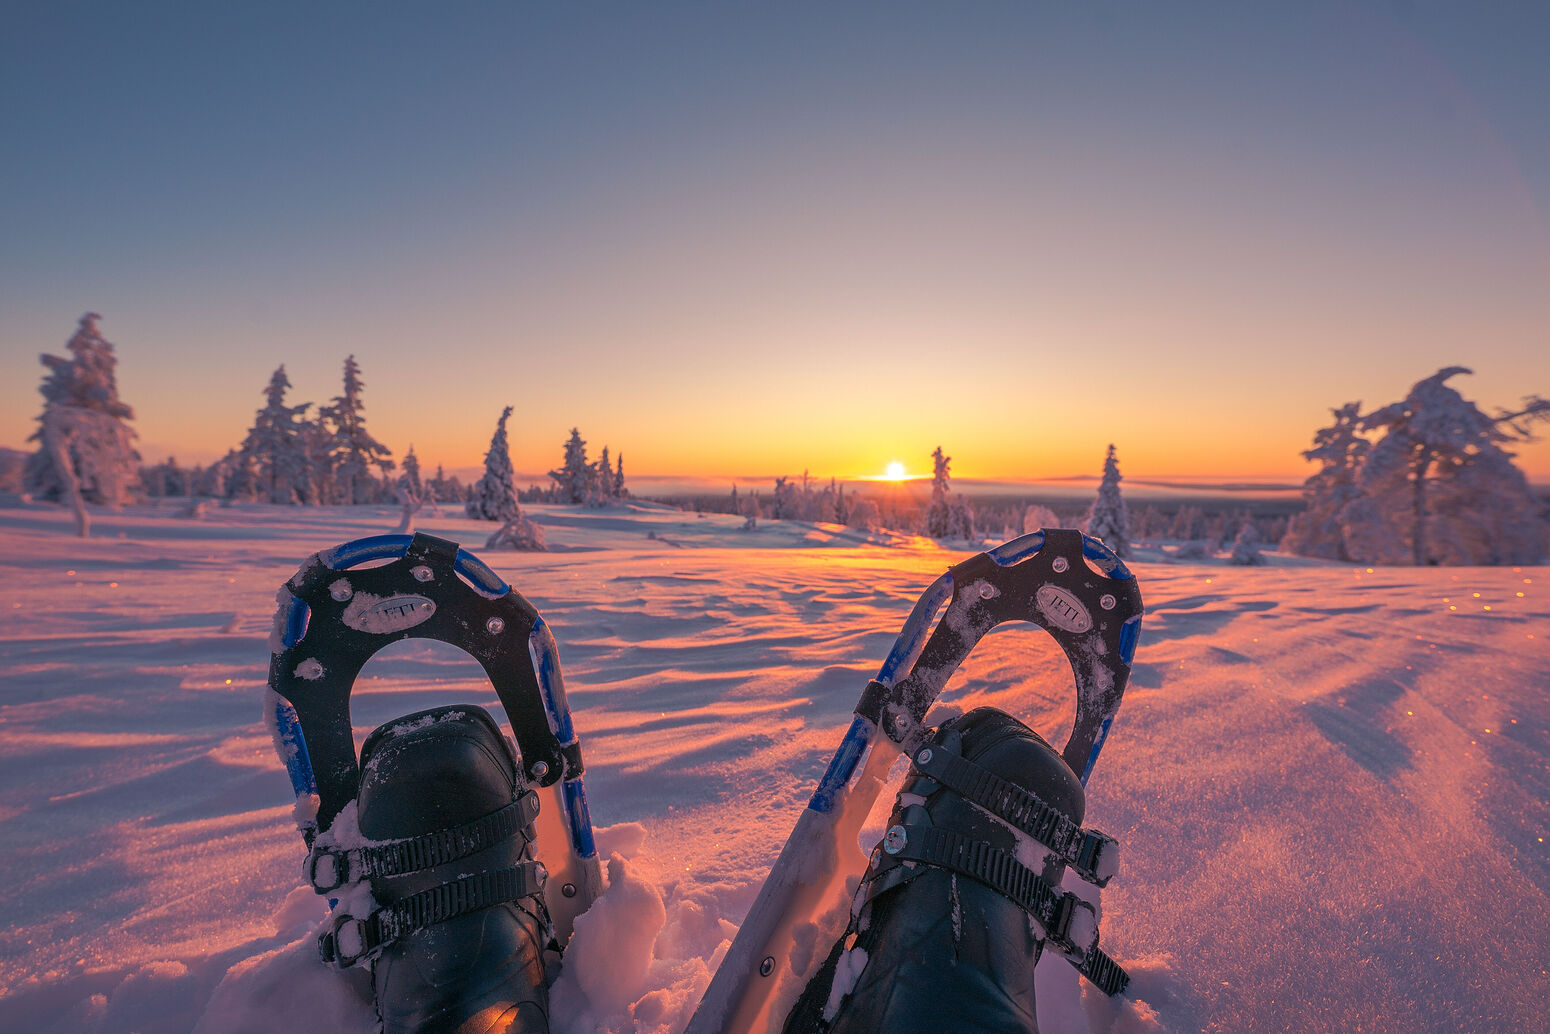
[
  {"x": 945, "y": 933},
  {"x": 449, "y": 771}
]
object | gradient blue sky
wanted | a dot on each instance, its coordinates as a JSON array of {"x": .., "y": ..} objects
[{"x": 748, "y": 240}]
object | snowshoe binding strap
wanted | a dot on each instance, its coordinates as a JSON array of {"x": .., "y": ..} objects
[
  {"x": 351, "y": 939},
  {"x": 1091, "y": 854},
  {"x": 1070, "y": 923},
  {"x": 330, "y": 868}
]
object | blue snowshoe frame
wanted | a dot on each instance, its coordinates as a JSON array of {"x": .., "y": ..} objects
[{"x": 334, "y": 615}]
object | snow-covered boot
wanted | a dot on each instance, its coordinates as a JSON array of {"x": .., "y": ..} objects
[
  {"x": 961, "y": 895},
  {"x": 444, "y": 785}
]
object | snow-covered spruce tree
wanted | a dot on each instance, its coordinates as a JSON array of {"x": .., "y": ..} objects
[
  {"x": 571, "y": 477},
  {"x": 411, "y": 490},
  {"x": 494, "y": 497},
  {"x": 83, "y": 425},
  {"x": 938, "y": 514},
  {"x": 619, "y": 491},
  {"x": 1319, "y": 530},
  {"x": 277, "y": 448},
  {"x": 353, "y": 450},
  {"x": 1439, "y": 475},
  {"x": 783, "y": 506},
  {"x": 600, "y": 487},
  {"x": 1107, "y": 519}
]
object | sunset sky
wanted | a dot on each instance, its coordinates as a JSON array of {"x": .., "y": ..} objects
[{"x": 741, "y": 242}]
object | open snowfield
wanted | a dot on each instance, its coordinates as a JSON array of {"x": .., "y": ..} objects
[{"x": 1331, "y": 786}]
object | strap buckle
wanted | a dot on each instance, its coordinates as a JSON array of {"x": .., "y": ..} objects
[
  {"x": 348, "y": 941},
  {"x": 1074, "y": 927},
  {"x": 1096, "y": 858},
  {"x": 337, "y": 872}
]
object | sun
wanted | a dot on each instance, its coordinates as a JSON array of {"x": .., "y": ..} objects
[{"x": 895, "y": 472}]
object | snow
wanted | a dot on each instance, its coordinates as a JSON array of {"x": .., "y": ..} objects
[{"x": 1329, "y": 783}]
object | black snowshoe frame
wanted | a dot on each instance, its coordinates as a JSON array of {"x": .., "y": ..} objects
[{"x": 334, "y": 615}]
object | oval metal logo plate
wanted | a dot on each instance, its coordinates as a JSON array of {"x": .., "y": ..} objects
[
  {"x": 385, "y": 615},
  {"x": 1063, "y": 609}
]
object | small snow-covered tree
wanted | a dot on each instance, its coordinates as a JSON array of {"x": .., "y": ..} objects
[
  {"x": 572, "y": 476},
  {"x": 83, "y": 426},
  {"x": 1245, "y": 546},
  {"x": 276, "y": 446},
  {"x": 619, "y": 490},
  {"x": 863, "y": 515},
  {"x": 1037, "y": 518},
  {"x": 517, "y": 533},
  {"x": 1107, "y": 519},
  {"x": 494, "y": 497},
  {"x": 353, "y": 450},
  {"x": 1319, "y": 530}
]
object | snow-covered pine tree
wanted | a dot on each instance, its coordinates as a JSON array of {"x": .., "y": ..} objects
[
  {"x": 939, "y": 513},
  {"x": 619, "y": 492},
  {"x": 494, "y": 497},
  {"x": 570, "y": 478},
  {"x": 1319, "y": 530},
  {"x": 354, "y": 451},
  {"x": 276, "y": 447},
  {"x": 1438, "y": 444},
  {"x": 1107, "y": 519},
  {"x": 83, "y": 425}
]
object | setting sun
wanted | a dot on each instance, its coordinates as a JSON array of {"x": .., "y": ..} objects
[{"x": 895, "y": 472}]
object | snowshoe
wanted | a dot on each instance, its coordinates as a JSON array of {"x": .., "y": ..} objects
[
  {"x": 334, "y": 614},
  {"x": 458, "y": 934},
  {"x": 987, "y": 822}
]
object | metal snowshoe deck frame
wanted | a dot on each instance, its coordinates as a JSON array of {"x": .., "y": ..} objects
[
  {"x": 335, "y": 615},
  {"x": 1072, "y": 586}
]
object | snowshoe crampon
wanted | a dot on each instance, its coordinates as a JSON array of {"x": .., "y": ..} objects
[
  {"x": 334, "y": 615},
  {"x": 1082, "y": 595}
]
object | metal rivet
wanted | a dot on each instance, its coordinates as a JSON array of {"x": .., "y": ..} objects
[
  {"x": 539, "y": 769},
  {"x": 1107, "y": 603},
  {"x": 1061, "y": 564},
  {"x": 895, "y": 839},
  {"x": 569, "y": 890},
  {"x": 422, "y": 573},
  {"x": 924, "y": 757},
  {"x": 900, "y": 721},
  {"x": 341, "y": 590},
  {"x": 767, "y": 966},
  {"x": 987, "y": 591},
  {"x": 494, "y": 626}
]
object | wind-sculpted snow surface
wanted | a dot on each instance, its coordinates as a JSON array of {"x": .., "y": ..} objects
[{"x": 1329, "y": 784}]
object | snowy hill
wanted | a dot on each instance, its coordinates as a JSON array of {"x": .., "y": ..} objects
[{"x": 1331, "y": 786}]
